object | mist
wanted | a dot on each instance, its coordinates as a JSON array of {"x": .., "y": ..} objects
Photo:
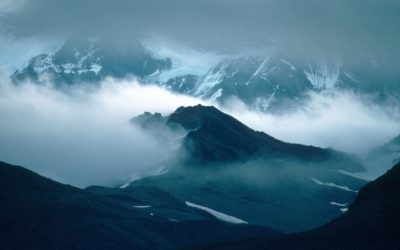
[
  {"x": 342, "y": 120},
  {"x": 82, "y": 135},
  {"x": 16, "y": 53}
]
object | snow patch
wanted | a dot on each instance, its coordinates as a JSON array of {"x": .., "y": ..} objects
[
  {"x": 159, "y": 171},
  {"x": 322, "y": 77},
  {"x": 288, "y": 64},
  {"x": 41, "y": 65},
  {"x": 350, "y": 77},
  {"x": 343, "y": 206},
  {"x": 210, "y": 80},
  {"x": 68, "y": 68},
  {"x": 142, "y": 206},
  {"x": 258, "y": 71},
  {"x": 215, "y": 96},
  {"x": 125, "y": 185},
  {"x": 263, "y": 104},
  {"x": 331, "y": 184},
  {"x": 216, "y": 214},
  {"x": 338, "y": 204},
  {"x": 95, "y": 68}
]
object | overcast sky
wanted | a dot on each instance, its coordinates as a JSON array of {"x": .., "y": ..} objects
[{"x": 338, "y": 26}]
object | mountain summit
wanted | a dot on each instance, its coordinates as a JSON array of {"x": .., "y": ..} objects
[
  {"x": 91, "y": 59},
  {"x": 231, "y": 168},
  {"x": 213, "y": 136}
]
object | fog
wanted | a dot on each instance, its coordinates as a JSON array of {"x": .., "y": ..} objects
[
  {"x": 16, "y": 53},
  {"x": 82, "y": 135},
  {"x": 342, "y": 120}
]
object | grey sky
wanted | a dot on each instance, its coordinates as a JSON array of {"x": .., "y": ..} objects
[{"x": 343, "y": 25}]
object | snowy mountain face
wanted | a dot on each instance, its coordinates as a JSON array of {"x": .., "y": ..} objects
[
  {"x": 258, "y": 82},
  {"x": 279, "y": 83},
  {"x": 272, "y": 83},
  {"x": 83, "y": 59}
]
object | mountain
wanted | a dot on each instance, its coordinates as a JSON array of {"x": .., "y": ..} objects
[
  {"x": 256, "y": 81},
  {"x": 215, "y": 136},
  {"x": 90, "y": 59},
  {"x": 372, "y": 222},
  {"x": 38, "y": 213},
  {"x": 252, "y": 176},
  {"x": 275, "y": 82},
  {"x": 280, "y": 83}
]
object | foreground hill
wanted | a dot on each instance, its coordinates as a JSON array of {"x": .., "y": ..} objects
[
  {"x": 372, "y": 222},
  {"x": 38, "y": 213}
]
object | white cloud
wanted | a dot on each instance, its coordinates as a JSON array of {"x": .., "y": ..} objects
[
  {"x": 185, "y": 60},
  {"x": 82, "y": 135},
  {"x": 343, "y": 121},
  {"x": 16, "y": 53}
]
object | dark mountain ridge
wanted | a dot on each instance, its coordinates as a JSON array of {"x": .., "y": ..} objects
[
  {"x": 38, "y": 213},
  {"x": 372, "y": 222},
  {"x": 214, "y": 136}
]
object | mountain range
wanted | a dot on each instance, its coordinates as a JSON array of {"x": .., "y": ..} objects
[{"x": 275, "y": 82}]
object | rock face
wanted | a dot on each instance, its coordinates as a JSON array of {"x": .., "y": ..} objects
[
  {"x": 253, "y": 176},
  {"x": 38, "y": 213},
  {"x": 372, "y": 222}
]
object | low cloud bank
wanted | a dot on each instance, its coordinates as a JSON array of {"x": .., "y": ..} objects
[
  {"x": 81, "y": 135},
  {"x": 342, "y": 120}
]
